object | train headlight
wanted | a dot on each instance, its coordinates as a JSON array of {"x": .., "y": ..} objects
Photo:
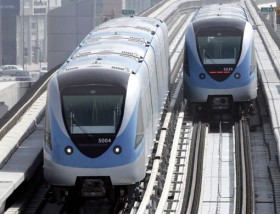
[
  {"x": 117, "y": 150},
  {"x": 68, "y": 150},
  {"x": 237, "y": 75},
  {"x": 202, "y": 76}
]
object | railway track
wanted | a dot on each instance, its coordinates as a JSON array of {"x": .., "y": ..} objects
[
  {"x": 219, "y": 169},
  {"x": 193, "y": 183},
  {"x": 244, "y": 192}
]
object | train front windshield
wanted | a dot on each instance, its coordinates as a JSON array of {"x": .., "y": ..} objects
[
  {"x": 93, "y": 109},
  {"x": 219, "y": 46}
]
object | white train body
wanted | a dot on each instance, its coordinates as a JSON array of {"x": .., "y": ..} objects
[{"x": 104, "y": 104}]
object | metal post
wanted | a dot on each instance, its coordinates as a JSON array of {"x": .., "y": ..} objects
[
  {"x": 278, "y": 12},
  {"x": 1, "y": 33},
  {"x": 23, "y": 51},
  {"x": 37, "y": 44}
]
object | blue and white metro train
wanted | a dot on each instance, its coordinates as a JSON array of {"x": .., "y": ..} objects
[
  {"x": 220, "y": 70},
  {"x": 104, "y": 105}
]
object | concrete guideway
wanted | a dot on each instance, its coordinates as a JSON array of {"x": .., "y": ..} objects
[
  {"x": 267, "y": 49},
  {"x": 19, "y": 157}
]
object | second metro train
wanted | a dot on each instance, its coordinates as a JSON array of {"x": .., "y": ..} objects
[{"x": 220, "y": 70}]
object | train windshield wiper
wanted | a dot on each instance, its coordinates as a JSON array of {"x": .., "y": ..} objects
[{"x": 76, "y": 123}]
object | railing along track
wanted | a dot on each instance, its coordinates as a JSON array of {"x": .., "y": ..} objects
[
  {"x": 192, "y": 191},
  {"x": 244, "y": 181}
]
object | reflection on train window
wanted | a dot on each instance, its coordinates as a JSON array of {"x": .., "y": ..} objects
[
  {"x": 219, "y": 49},
  {"x": 93, "y": 113}
]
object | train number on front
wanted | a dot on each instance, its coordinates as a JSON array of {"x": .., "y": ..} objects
[{"x": 104, "y": 140}]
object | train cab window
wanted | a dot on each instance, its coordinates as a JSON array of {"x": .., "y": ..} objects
[
  {"x": 93, "y": 109},
  {"x": 219, "y": 46}
]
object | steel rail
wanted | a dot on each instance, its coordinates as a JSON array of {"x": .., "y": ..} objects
[
  {"x": 190, "y": 203},
  {"x": 245, "y": 192}
]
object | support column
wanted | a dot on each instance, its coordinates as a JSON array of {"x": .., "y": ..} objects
[{"x": 278, "y": 12}]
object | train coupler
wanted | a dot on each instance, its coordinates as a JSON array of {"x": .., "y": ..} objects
[{"x": 93, "y": 187}]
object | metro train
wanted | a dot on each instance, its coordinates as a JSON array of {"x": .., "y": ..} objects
[
  {"x": 219, "y": 65},
  {"x": 103, "y": 108}
]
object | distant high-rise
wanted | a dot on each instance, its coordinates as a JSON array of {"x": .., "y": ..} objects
[
  {"x": 23, "y": 30},
  {"x": 9, "y": 12}
]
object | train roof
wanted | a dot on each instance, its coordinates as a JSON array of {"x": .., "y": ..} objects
[
  {"x": 120, "y": 35},
  {"x": 220, "y": 16},
  {"x": 234, "y": 11},
  {"x": 104, "y": 63},
  {"x": 109, "y": 47},
  {"x": 141, "y": 25},
  {"x": 118, "y": 56},
  {"x": 137, "y": 31},
  {"x": 118, "y": 44},
  {"x": 137, "y": 22}
]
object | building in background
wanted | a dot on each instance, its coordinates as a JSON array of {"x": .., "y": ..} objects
[
  {"x": 67, "y": 26},
  {"x": 10, "y": 10},
  {"x": 32, "y": 30},
  {"x": 23, "y": 25},
  {"x": 137, "y": 6},
  {"x": 108, "y": 9},
  {"x": 23, "y": 30}
]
